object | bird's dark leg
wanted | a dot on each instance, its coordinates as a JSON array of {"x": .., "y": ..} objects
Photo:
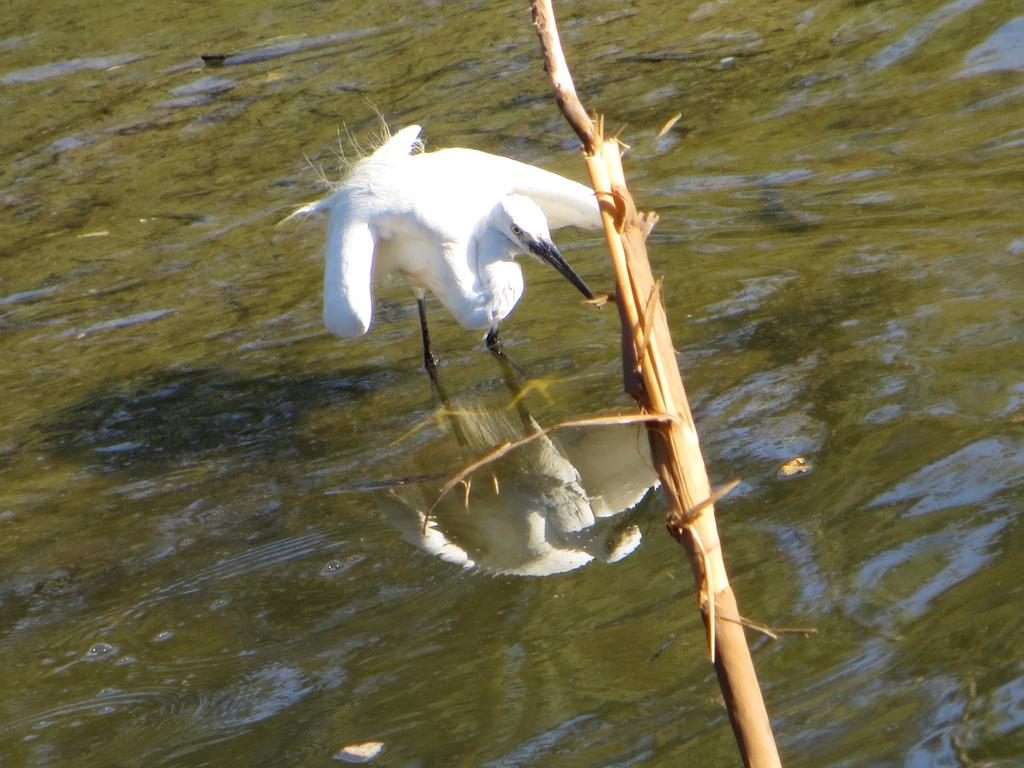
[
  {"x": 511, "y": 380},
  {"x": 430, "y": 363},
  {"x": 493, "y": 342}
]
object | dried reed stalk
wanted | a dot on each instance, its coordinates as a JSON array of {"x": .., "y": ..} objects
[{"x": 652, "y": 377}]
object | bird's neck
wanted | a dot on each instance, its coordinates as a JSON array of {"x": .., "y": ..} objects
[
  {"x": 492, "y": 247},
  {"x": 500, "y": 277}
]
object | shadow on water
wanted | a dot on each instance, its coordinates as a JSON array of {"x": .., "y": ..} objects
[
  {"x": 189, "y": 416},
  {"x": 157, "y": 465}
]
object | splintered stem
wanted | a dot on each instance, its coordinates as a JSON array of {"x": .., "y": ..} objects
[{"x": 653, "y": 377}]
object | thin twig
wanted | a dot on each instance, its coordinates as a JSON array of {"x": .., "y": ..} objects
[
  {"x": 772, "y": 632},
  {"x": 681, "y": 521},
  {"x": 682, "y": 525}
]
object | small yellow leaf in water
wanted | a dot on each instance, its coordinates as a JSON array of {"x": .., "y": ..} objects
[
  {"x": 797, "y": 466},
  {"x": 668, "y": 125},
  {"x": 97, "y": 233},
  {"x": 360, "y": 753}
]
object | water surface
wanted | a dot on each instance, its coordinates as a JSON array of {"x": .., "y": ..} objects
[{"x": 195, "y": 568}]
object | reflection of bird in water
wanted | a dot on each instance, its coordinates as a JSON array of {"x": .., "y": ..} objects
[
  {"x": 547, "y": 509},
  {"x": 451, "y": 222}
]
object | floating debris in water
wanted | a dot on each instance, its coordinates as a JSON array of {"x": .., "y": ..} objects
[
  {"x": 284, "y": 47},
  {"x": 336, "y": 567},
  {"x": 360, "y": 753},
  {"x": 796, "y": 466},
  {"x": 668, "y": 124}
]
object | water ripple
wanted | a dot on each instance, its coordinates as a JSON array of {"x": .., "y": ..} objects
[
  {"x": 968, "y": 477},
  {"x": 65, "y": 68},
  {"x": 290, "y": 47},
  {"x": 161, "y": 701},
  {"x": 918, "y": 34},
  {"x": 1003, "y": 51},
  {"x": 256, "y": 559},
  {"x": 120, "y": 322},
  {"x": 964, "y": 550}
]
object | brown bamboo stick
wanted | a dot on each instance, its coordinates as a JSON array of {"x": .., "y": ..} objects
[{"x": 652, "y": 376}]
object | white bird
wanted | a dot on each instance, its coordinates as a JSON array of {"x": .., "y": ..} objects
[{"x": 450, "y": 222}]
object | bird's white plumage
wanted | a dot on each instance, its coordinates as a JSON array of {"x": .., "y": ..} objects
[{"x": 435, "y": 219}]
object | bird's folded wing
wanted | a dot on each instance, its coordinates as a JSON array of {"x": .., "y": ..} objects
[{"x": 565, "y": 203}]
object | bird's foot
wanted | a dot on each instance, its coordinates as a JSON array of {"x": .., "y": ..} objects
[
  {"x": 493, "y": 342},
  {"x": 430, "y": 364}
]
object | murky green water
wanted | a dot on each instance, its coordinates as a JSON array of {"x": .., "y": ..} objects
[{"x": 192, "y": 570}]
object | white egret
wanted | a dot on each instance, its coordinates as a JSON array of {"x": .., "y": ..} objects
[{"x": 450, "y": 222}]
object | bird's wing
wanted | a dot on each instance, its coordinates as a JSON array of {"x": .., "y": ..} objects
[
  {"x": 348, "y": 273},
  {"x": 565, "y": 203}
]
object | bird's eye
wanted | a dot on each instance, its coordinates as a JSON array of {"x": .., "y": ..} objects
[{"x": 517, "y": 230}]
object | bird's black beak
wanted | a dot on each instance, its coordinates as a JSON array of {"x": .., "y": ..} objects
[{"x": 546, "y": 251}]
